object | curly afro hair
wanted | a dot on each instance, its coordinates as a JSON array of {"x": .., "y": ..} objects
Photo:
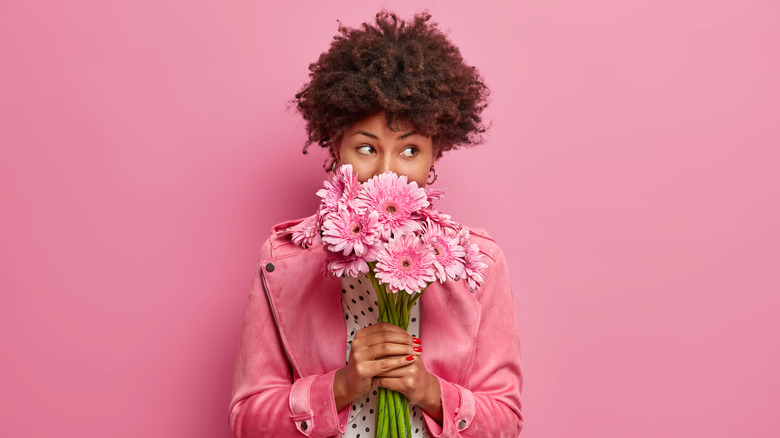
[{"x": 408, "y": 69}]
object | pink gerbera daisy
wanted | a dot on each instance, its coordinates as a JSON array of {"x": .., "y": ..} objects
[
  {"x": 307, "y": 233},
  {"x": 433, "y": 194},
  {"x": 340, "y": 191},
  {"x": 406, "y": 263},
  {"x": 431, "y": 215},
  {"x": 474, "y": 264},
  {"x": 449, "y": 255},
  {"x": 351, "y": 265},
  {"x": 347, "y": 231},
  {"x": 395, "y": 200}
]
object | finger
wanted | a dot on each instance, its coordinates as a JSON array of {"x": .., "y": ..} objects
[
  {"x": 384, "y": 336},
  {"x": 384, "y": 366},
  {"x": 415, "y": 368},
  {"x": 392, "y": 374},
  {"x": 401, "y": 384},
  {"x": 388, "y": 349},
  {"x": 406, "y": 380},
  {"x": 409, "y": 371},
  {"x": 380, "y": 327}
]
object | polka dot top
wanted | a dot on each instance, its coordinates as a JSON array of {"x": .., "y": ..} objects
[{"x": 358, "y": 302}]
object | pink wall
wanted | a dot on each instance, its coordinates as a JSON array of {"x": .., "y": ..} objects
[{"x": 631, "y": 177}]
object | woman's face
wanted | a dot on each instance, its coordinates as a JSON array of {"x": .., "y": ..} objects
[{"x": 372, "y": 148}]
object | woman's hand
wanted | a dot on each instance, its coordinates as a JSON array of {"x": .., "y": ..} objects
[
  {"x": 376, "y": 350},
  {"x": 418, "y": 385},
  {"x": 385, "y": 355}
]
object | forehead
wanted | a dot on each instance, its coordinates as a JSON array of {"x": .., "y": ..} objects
[{"x": 377, "y": 124}]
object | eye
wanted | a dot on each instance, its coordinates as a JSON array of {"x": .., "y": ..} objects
[
  {"x": 366, "y": 149},
  {"x": 410, "y": 151}
]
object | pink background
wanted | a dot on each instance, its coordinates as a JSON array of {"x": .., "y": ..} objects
[{"x": 631, "y": 176}]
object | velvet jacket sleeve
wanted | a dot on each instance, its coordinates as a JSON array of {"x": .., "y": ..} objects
[
  {"x": 265, "y": 400},
  {"x": 482, "y": 399}
]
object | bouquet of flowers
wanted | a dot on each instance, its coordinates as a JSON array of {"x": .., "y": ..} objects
[{"x": 388, "y": 229}]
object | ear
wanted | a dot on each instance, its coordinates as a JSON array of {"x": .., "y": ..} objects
[
  {"x": 438, "y": 150},
  {"x": 335, "y": 148}
]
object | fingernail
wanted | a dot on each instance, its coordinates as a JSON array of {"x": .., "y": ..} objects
[
  {"x": 416, "y": 341},
  {"x": 417, "y": 349},
  {"x": 410, "y": 358}
]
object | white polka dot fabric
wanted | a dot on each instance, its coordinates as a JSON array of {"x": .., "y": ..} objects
[{"x": 358, "y": 302}]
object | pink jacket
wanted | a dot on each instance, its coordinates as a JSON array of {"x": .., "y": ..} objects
[{"x": 283, "y": 383}]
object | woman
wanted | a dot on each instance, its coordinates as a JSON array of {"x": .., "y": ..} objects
[{"x": 394, "y": 96}]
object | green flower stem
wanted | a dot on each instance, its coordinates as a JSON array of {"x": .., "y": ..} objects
[
  {"x": 407, "y": 420},
  {"x": 390, "y": 300},
  {"x": 393, "y": 417},
  {"x": 392, "y": 414},
  {"x": 417, "y": 297},
  {"x": 404, "y": 425},
  {"x": 381, "y": 414},
  {"x": 403, "y": 310}
]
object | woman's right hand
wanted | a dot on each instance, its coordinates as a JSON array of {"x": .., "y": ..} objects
[{"x": 375, "y": 350}]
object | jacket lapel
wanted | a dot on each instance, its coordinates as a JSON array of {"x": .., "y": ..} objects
[
  {"x": 308, "y": 311},
  {"x": 449, "y": 318}
]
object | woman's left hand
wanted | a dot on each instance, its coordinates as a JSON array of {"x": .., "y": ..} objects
[{"x": 418, "y": 385}]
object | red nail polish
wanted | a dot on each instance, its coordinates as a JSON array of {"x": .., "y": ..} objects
[
  {"x": 416, "y": 341},
  {"x": 409, "y": 357},
  {"x": 417, "y": 349}
]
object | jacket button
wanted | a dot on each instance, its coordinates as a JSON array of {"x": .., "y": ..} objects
[
  {"x": 304, "y": 425},
  {"x": 270, "y": 267},
  {"x": 462, "y": 424}
]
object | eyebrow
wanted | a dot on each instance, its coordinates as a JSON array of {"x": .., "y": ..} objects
[{"x": 400, "y": 137}]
